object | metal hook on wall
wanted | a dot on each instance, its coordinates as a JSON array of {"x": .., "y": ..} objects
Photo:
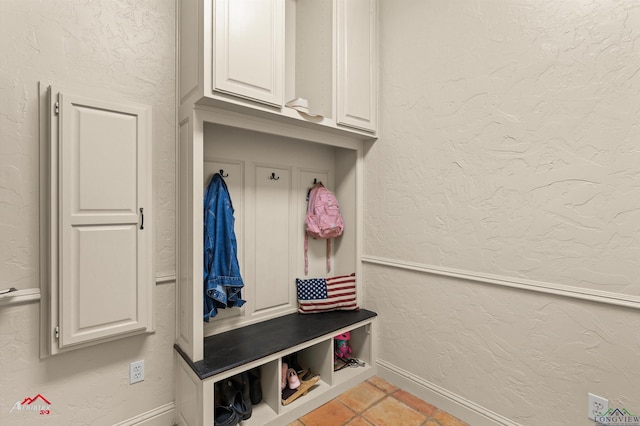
[
  {"x": 274, "y": 177},
  {"x": 222, "y": 173},
  {"x": 315, "y": 180}
]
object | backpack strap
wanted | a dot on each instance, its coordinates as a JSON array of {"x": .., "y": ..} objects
[{"x": 306, "y": 253}]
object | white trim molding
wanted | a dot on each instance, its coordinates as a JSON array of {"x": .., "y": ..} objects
[
  {"x": 159, "y": 416},
  {"x": 610, "y": 298},
  {"x": 29, "y": 295},
  {"x": 165, "y": 279},
  {"x": 445, "y": 400},
  {"x": 20, "y": 296}
]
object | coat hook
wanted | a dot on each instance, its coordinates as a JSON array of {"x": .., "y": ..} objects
[
  {"x": 274, "y": 177},
  {"x": 315, "y": 181},
  {"x": 222, "y": 174}
]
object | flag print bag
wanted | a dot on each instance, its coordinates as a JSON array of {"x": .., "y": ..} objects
[{"x": 327, "y": 294}]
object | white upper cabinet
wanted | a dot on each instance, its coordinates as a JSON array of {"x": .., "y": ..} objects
[
  {"x": 248, "y": 49},
  {"x": 357, "y": 58},
  {"x": 101, "y": 221},
  {"x": 254, "y": 56}
]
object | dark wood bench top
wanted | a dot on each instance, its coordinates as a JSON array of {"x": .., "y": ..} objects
[{"x": 234, "y": 348}]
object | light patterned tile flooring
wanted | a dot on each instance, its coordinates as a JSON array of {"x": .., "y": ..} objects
[{"x": 377, "y": 402}]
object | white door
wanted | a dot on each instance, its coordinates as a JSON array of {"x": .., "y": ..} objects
[
  {"x": 356, "y": 63},
  {"x": 104, "y": 257},
  {"x": 249, "y": 49}
]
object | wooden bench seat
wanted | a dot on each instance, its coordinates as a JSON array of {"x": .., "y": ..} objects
[{"x": 235, "y": 348}]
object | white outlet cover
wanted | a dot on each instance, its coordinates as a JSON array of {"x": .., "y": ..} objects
[
  {"x": 136, "y": 372},
  {"x": 597, "y": 406}
]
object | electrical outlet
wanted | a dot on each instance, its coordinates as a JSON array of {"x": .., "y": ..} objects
[
  {"x": 136, "y": 372},
  {"x": 597, "y": 406}
]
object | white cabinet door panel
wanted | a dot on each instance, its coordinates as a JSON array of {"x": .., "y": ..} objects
[
  {"x": 105, "y": 146},
  {"x": 249, "y": 49},
  {"x": 272, "y": 237},
  {"x": 357, "y": 62},
  {"x": 105, "y": 261},
  {"x": 100, "y": 293}
]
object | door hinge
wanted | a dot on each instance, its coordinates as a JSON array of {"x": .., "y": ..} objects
[
  {"x": 56, "y": 108},
  {"x": 57, "y": 332}
]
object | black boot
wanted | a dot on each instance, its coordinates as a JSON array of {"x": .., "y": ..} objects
[
  {"x": 232, "y": 390},
  {"x": 255, "y": 389},
  {"x": 224, "y": 414}
]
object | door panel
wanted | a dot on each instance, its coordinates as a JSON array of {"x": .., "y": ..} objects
[
  {"x": 103, "y": 282},
  {"x": 106, "y": 146},
  {"x": 357, "y": 85},
  {"x": 249, "y": 49},
  {"x": 105, "y": 263},
  {"x": 272, "y": 248}
]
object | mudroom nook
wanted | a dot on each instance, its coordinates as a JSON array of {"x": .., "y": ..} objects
[{"x": 272, "y": 119}]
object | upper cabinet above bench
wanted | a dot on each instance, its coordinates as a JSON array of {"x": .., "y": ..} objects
[{"x": 254, "y": 56}]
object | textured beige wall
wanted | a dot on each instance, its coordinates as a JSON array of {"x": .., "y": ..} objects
[
  {"x": 510, "y": 139},
  {"x": 509, "y": 147},
  {"x": 120, "y": 49}
]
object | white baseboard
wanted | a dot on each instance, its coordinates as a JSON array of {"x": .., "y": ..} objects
[
  {"x": 450, "y": 402},
  {"x": 165, "y": 415}
]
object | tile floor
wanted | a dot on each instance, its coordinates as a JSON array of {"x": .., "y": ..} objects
[{"x": 377, "y": 402}]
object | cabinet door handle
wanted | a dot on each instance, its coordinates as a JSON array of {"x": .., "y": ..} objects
[{"x": 142, "y": 218}]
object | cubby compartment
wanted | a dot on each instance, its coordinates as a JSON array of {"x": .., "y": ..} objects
[
  {"x": 314, "y": 358},
  {"x": 318, "y": 358},
  {"x": 267, "y": 409},
  {"x": 360, "y": 343}
]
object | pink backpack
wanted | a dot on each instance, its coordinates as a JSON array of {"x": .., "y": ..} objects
[{"x": 323, "y": 220}]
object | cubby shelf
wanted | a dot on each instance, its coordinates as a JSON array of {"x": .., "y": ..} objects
[{"x": 263, "y": 345}]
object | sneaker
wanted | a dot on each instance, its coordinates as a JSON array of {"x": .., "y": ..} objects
[{"x": 292, "y": 379}]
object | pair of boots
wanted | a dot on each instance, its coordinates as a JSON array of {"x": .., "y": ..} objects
[{"x": 236, "y": 396}]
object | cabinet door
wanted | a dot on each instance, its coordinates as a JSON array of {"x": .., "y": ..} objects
[
  {"x": 357, "y": 63},
  {"x": 249, "y": 49},
  {"x": 104, "y": 221}
]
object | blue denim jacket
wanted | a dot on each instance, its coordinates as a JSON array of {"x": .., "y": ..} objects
[{"x": 222, "y": 280}]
